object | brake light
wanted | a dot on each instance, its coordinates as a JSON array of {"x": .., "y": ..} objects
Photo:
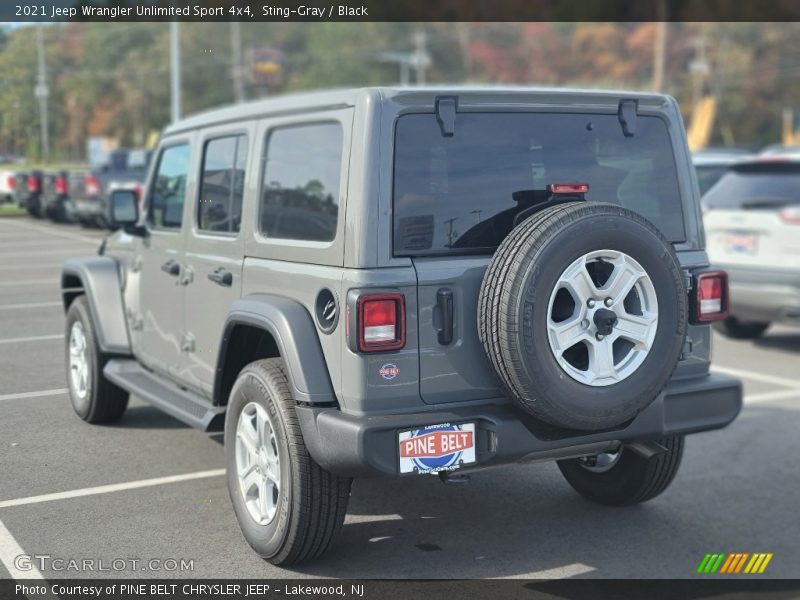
[
  {"x": 137, "y": 189},
  {"x": 91, "y": 185},
  {"x": 790, "y": 215},
  {"x": 60, "y": 185},
  {"x": 33, "y": 183},
  {"x": 12, "y": 182},
  {"x": 569, "y": 188},
  {"x": 711, "y": 301},
  {"x": 381, "y": 322}
]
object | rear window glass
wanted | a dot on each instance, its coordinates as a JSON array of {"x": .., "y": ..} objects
[
  {"x": 462, "y": 193},
  {"x": 300, "y": 192},
  {"x": 754, "y": 187}
]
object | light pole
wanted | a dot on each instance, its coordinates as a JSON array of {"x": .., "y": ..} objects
[
  {"x": 236, "y": 61},
  {"x": 42, "y": 92},
  {"x": 175, "y": 69}
]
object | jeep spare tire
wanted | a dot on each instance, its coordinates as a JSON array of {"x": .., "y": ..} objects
[{"x": 583, "y": 314}]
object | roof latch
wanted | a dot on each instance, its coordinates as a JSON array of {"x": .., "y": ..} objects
[
  {"x": 627, "y": 116},
  {"x": 446, "y": 107}
]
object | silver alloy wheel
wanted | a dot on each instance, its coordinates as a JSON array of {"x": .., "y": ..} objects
[
  {"x": 258, "y": 464},
  {"x": 602, "y": 318},
  {"x": 78, "y": 361}
]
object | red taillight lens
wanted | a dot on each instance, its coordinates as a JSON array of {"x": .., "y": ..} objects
[
  {"x": 91, "y": 185},
  {"x": 33, "y": 183},
  {"x": 569, "y": 188},
  {"x": 381, "y": 322},
  {"x": 137, "y": 189},
  {"x": 12, "y": 182},
  {"x": 60, "y": 185},
  {"x": 711, "y": 302},
  {"x": 790, "y": 215}
]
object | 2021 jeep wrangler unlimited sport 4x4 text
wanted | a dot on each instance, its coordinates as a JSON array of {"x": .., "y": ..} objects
[{"x": 410, "y": 281}]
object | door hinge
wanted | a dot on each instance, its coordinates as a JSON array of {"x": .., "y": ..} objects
[{"x": 187, "y": 343}]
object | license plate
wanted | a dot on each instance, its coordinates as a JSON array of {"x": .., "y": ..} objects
[
  {"x": 435, "y": 448},
  {"x": 741, "y": 242}
]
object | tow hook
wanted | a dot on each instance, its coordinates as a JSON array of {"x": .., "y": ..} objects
[{"x": 451, "y": 478}]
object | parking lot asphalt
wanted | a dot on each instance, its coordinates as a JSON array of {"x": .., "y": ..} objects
[{"x": 149, "y": 487}]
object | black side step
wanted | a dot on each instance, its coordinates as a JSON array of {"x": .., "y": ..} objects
[{"x": 161, "y": 393}]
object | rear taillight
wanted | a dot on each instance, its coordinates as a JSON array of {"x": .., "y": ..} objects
[
  {"x": 91, "y": 185},
  {"x": 137, "y": 189},
  {"x": 790, "y": 215},
  {"x": 711, "y": 296},
  {"x": 60, "y": 185},
  {"x": 12, "y": 182},
  {"x": 381, "y": 322},
  {"x": 33, "y": 183}
]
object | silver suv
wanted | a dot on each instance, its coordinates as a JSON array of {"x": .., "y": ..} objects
[{"x": 407, "y": 282}]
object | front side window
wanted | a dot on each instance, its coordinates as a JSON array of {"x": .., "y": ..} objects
[
  {"x": 222, "y": 184},
  {"x": 300, "y": 191},
  {"x": 169, "y": 188},
  {"x": 463, "y": 193}
]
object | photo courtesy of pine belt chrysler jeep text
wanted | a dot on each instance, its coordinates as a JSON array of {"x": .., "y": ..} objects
[{"x": 414, "y": 281}]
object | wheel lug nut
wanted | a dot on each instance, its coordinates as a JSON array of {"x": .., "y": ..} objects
[
  {"x": 609, "y": 302},
  {"x": 585, "y": 324},
  {"x": 599, "y": 337},
  {"x": 590, "y": 303}
]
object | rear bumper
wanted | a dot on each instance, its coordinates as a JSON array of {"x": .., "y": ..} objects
[
  {"x": 767, "y": 295},
  {"x": 358, "y": 446}
]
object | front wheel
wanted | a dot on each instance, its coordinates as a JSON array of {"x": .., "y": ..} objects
[
  {"x": 624, "y": 477},
  {"x": 290, "y": 510}
]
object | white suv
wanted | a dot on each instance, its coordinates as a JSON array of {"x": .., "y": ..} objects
[{"x": 752, "y": 222}]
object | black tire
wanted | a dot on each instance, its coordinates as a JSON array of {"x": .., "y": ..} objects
[
  {"x": 631, "y": 480},
  {"x": 741, "y": 330},
  {"x": 513, "y": 306},
  {"x": 312, "y": 502},
  {"x": 103, "y": 401}
]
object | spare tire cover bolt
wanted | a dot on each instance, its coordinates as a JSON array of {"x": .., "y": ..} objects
[
  {"x": 590, "y": 303},
  {"x": 609, "y": 302}
]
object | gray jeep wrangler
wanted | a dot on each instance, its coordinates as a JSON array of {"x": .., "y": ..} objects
[{"x": 410, "y": 281}]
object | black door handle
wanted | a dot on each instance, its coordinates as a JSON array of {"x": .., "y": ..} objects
[
  {"x": 444, "y": 306},
  {"x": 221, "y": 277},
  {"x": 171, "y": 268}
]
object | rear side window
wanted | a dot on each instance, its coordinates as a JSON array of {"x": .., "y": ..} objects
[
  {"x": 756, "y": 186},
  {"x": 169, "y": 188},
  {"x": 462, "y": 193},
  {"x": 222, "y": 184},
  {"x": 300, "y": 191}
]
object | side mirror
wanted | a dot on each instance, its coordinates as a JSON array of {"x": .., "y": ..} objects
[{"x": 123, "y": 209}]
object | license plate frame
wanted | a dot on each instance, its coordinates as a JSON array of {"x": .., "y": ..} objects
[{"x": 432, "y": 449}]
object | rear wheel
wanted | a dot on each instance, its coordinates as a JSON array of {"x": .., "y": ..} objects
[
  {"x": 94, "y": 398},
  {"x": 741, "y": 330},
  {"x": 289, "y": 508},
  {"x": 624, "y": 477}
]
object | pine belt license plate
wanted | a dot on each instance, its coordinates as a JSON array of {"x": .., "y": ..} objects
[
  {"x": 436, "y": 448},
  {"x": 741, "y": 242}
]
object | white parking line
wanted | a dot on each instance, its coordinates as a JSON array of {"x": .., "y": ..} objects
[
  {"x": 57, "y": 233},
  {"x": 762, "y": 377},
  {"x": 774, "y": 395},
  {"x": 30, "y": 305},
  {"x": 115, "y": 487},
  {"x": 557, "y": 572},
  {"x": 54, "y": 265},
  {"x": 35, "y": 338},
  {"x": 39, "y": 394},
  {"x": 9, "y": 551}
]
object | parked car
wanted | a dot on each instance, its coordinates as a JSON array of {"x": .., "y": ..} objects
[
  {"x": 125, "y": 167},
  {"x": 21, "y": 188},
  {"x": 752, "y": 220},
  {"x": 34, "y": 198},
  {"x": 8, "y": 186},
  {"x": 713, "y": 163},
  {"x": 56, "y": 196},
  {"x": 408, "y": 282}
]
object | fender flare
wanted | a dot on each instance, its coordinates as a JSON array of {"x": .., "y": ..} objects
[
  {"x": 295, "y": 334},
  {"x": 100, "y": 282}
]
